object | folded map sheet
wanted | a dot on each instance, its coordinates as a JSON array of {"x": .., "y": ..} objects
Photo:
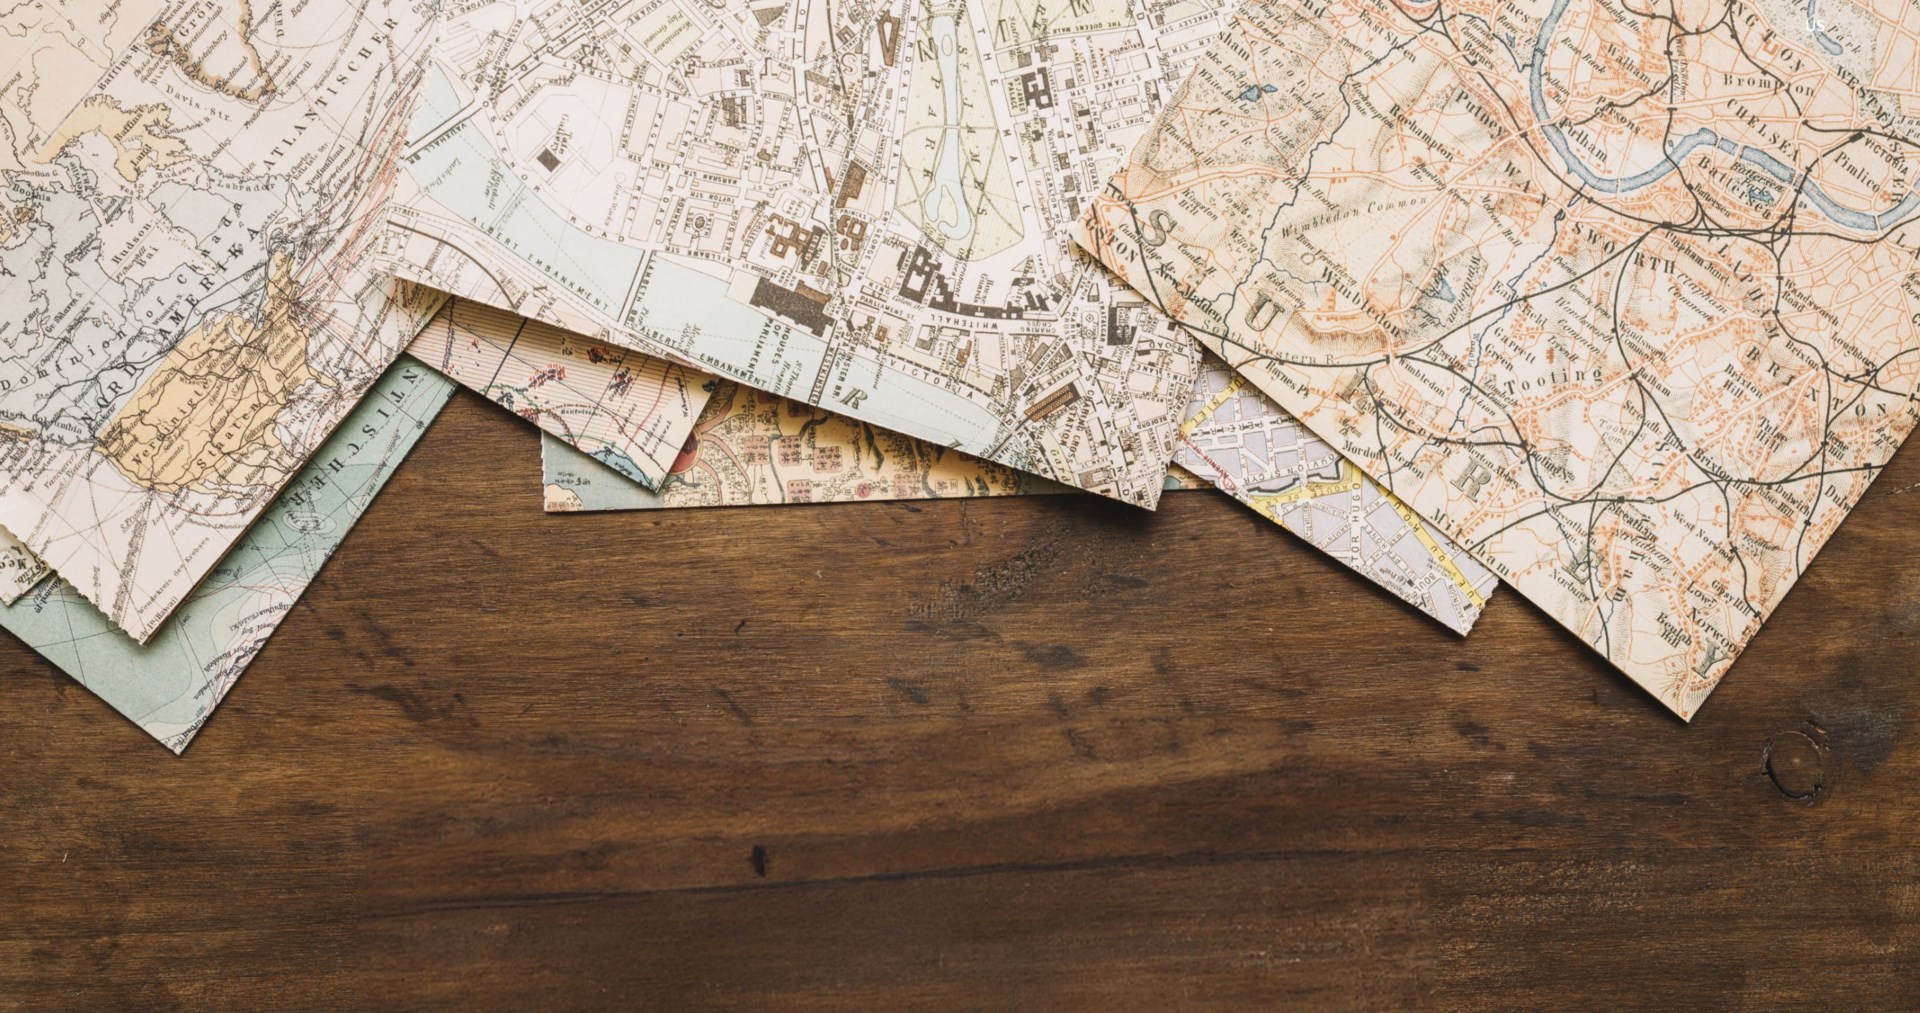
[{"x": 631, "y": 412}]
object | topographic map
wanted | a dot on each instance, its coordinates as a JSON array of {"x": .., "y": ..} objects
[
  {"x": 630, "y": 411},
  {"x": 171, "y": 684},
  {"x": 866, "y": 207},
  {"x": 1622, "y": 301},
  {"x": 1244, "y": 444},
  {"x": 753, "y": 448},
  {"x": 188, "y": 206}
]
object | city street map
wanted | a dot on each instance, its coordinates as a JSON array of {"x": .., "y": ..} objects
[
  {"x": 188, "y": 208},
  {"x": 1622, "y": 299},
  {"x": 170, "y": 685},
  {"x": 631, "y": 412},
  {"x": 867, "y": 207},
  {"x": 1242, "y": 443}
]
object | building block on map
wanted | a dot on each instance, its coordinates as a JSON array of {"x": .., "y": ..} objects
[{"x": 863, "y": 207}]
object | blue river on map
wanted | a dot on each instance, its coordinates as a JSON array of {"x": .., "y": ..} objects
[{"x": 1865, "y": 221}]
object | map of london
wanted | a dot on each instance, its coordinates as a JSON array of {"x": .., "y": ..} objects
[{"x": 1623, "y": 300}]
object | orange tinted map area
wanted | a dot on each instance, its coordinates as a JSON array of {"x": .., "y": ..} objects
[{"x": 1622, "y": 298}]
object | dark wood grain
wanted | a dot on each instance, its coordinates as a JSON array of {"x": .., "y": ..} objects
[{"x": 1048, "y": 753}]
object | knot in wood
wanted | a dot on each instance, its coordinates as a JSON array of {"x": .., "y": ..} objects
[{"x": 1797, "y": 765}]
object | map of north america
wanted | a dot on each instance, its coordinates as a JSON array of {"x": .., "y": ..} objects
[
  {"x": 864, "y": 207},
  {"x": 188, "y": 205}
]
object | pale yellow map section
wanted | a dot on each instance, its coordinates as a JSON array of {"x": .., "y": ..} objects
[
  {"x": 751, "y": 448},
  {"x": 20, "y": 569},
  {"x": 197, "y": 55}
]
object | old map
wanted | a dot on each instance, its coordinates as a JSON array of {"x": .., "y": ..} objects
[
  {"x": 1243, "y": 443},
  {"x": 171, "y": 684},
  {"x": 20, "y": 569},
  {"x": 753, "y": 448},
  {"x": 189, "y": 196},
  {"x": 1622, "y": 298},
  {"x": 861, "y": 206},
  {"x": 629, "y": 411}
]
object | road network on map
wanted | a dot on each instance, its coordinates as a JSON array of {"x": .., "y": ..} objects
[
  {"x": 1622, "y": 300},
  {"x": 865, "y": 207}
]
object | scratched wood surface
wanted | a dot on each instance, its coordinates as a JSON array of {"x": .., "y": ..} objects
[{"x": 1044, "y": 753}]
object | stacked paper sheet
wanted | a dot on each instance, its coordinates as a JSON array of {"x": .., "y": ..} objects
[{"x": 1617, "y": 307}]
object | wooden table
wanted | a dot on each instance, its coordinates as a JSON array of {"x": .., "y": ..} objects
[{"x": 1047, "y": 752}]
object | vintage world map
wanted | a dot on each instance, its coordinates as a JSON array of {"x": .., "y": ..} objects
[
  {"x": 865, "y": 207},
  {"x": 189, "y": 196}
]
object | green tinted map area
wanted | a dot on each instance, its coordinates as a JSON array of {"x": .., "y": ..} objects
[{"x": 170, "y": 685}]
